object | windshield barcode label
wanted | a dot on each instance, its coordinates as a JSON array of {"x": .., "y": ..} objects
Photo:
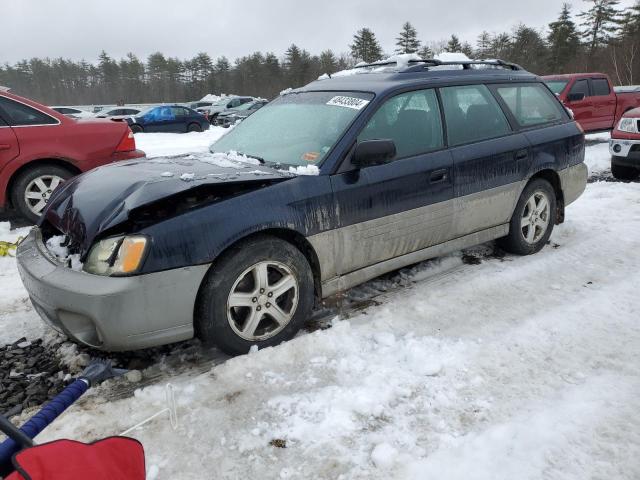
[{"x": 348, "y": 102}]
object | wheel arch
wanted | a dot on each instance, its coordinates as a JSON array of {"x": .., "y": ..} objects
[
  {"x": 553, "y": 178},
  {"x": 58, "y": 162},
  {"x": 290, "y": 236}
]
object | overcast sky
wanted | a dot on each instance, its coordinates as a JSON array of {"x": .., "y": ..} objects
[{"x": 79, "y": 29}]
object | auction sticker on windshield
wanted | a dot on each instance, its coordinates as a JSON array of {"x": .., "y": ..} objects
[{"x": 348, "y": 102}]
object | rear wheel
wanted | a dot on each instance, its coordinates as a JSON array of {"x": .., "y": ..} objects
[
  {"x": 135, "y": 128},
  {"x": 533, "y": 219},
  {"x": 624, "y": 173},
  {"x": 33, "y": 188},
  {"x": 194, "y": 127},
  {"x": 259, "y": 293}
]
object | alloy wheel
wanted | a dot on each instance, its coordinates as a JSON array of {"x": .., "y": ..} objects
[
  {"x": 262, "y": 301},
  {"x": 39, "y": 190},
  {"x": 535, "y": 217}
]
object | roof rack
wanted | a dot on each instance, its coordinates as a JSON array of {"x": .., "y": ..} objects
[{"x": 417, "y": 65}]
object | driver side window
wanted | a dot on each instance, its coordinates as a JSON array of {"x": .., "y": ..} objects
[{"x": 412, "y": 120}]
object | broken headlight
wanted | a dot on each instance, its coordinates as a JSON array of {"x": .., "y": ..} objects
[{"x": 116, "y": 255}]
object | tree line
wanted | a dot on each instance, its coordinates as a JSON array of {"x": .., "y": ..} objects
[{"x": 603, "y": 37}]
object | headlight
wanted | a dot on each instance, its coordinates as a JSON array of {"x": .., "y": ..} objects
[
  {"x": 629, "y": 125},
  {"x": 116, "y": 255}
]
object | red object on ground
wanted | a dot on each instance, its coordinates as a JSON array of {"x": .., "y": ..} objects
[
  {"x": 601, "y": 107},
  {"x": 49, "y": 137},
  {"x": 115, "y": 458}
]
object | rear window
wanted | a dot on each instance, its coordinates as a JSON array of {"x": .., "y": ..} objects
[
  {"x": 472, "y": 114},
  {"x": 600, "y": 86},
  {"x": 18, "y": 114},
  {"x": 531, "y": 104}
]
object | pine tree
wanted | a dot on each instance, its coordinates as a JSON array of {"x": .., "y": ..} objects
[
  {"x": 563, "y": 41},
  {"x": 484, "y": 44},
  {"x": 528, "y": 49},
  {"x": 500, "y": 46},
  {"x": 425, "y": 52},
  {"x": 467, "y": 50},
  {"x": 328, "y": 62},
  {"x": 365, "y": 46},
  {"x": 599, "y": 23},
  {"x": 453, "y": 45},
  {"x": 407, "y": 41}
]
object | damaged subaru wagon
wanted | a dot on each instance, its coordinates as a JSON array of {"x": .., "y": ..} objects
[{"x": 237, "y": 246}]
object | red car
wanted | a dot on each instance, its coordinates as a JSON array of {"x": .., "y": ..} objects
[
  {"x": 40, "y": 148},
  {"x": 624, "y": 146},
  {"x": 592, "y": 99}
]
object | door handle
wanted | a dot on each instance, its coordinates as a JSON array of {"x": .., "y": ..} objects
[
  {"x": 438, "y": 176},
  {"x": 4, "y": 146},
  {"x": 521, "y": 154}
]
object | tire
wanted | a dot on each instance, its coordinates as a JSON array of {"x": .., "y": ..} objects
[
  {"x": 194, "y": 127},
  {"x": 135, "y": 128},
  {"x": 525, "y": 238},
  {"x": 214, "y": 120},
  {"x": 624, "y": 173},
  {"x": 32, "y": 189},
  {"x": 234, "y": 277}
]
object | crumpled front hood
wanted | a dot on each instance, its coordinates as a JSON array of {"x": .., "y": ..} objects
[{"x": 104, "y": 197}]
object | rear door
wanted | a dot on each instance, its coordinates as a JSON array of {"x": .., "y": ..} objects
[
  {"x": 489, "y": 159},
  {"x": 402, "y": 206},
  {"x": 604, "y": 104}
]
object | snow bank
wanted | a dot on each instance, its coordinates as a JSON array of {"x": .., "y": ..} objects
[{"x": 167, "y": 144}]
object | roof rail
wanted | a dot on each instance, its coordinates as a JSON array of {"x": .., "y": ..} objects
[
  {"x": 416, "y": 64},
  {"x": 4, "y": 89}
]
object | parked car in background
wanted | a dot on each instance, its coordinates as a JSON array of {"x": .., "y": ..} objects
[
  {"x": 73, "y": 112},
  {"x": 41, "y": 148},
  {"x": 595, "y": 104},
  {"x": 230, "y": 117},
  {"x": 624, "y": 146},
  {"x": 402, "y": 164},
  {"x": 168, "y": 118},
  {"x": 117, "y": 113},
  {"x": 223, "y": 105}
]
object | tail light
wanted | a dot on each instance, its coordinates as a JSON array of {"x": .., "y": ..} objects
[{"x": 128, "y": 142}]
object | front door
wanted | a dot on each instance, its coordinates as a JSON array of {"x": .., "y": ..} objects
[
  {"x": 583, "y": 110},
  {"x": 9, "y": 147},
  {"x": 405, "y": 205}
]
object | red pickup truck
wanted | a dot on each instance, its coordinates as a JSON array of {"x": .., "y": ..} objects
[{"x": 595, "y": 104}]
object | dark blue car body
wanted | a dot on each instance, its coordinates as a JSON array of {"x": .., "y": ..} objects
[
  {"x": 168, "y": 119},
  {"x": 352, "y": 223}
]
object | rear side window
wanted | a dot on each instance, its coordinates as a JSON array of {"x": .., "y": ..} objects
[
  {"x": 412, "y": 120},
  {"x": 581, "y": 86},
  {"x": 179, "y": 112},
  {"x": 600, "y": 86},
  {"x": 531, "y": 104},
  {"x": 472, "y": 114},
  {"x": 18, "y": 114}
]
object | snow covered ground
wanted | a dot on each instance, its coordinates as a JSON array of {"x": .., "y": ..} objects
[{"x": 519, "y": 367}]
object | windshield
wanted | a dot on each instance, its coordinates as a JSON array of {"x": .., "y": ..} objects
[
  {"x": 557, "y": 86},
  {"x": 223, "y": 102},
  {"x": 295, "y": 129}
]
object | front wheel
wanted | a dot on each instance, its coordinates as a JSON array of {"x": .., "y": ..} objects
[
  {"x": 533, "y": 219},
  {"x": 624, "y": 173},
  {"x": 259, "y": 293}
]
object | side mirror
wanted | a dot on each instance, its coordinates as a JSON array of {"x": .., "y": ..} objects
[
  {"x": 373, "y": 152},
  {"x": 575, "y": 97}
]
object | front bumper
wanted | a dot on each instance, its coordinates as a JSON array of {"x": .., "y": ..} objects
[
  {"x": 625, "y": 151},
  {"x": 109, "y": 313}
]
